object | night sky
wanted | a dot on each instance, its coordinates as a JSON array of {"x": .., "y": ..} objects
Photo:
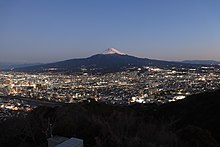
[{"x": 54, "y": 30}]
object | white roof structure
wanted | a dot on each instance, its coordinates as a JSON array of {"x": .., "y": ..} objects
[{"x": 72, "y": 142}]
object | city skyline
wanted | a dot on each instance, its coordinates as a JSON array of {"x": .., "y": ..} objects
[{"x": 49, "y": 31}]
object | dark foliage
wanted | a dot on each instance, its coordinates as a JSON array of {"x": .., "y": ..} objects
[
  {"x": 200, "y": 110},
  {"x": 192, "y": 122}
]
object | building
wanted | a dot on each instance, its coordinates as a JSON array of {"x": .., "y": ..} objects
[{"x": 58, "y": 141}]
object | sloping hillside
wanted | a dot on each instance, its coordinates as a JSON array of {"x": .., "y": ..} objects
[{"x": 192, "y": 122}]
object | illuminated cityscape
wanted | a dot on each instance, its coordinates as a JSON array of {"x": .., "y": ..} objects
[{"x": 138, "y": 85}]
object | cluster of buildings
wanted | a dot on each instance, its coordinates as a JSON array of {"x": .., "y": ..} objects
[
  {"x": 13, "y": 108},
  {"x": 139, "y": 85}
]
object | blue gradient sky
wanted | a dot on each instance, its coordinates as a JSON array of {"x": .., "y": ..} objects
[{"x": 53, "y": 30}]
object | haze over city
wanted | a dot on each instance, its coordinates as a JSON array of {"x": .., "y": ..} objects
[{"x": 47, "y": 31}]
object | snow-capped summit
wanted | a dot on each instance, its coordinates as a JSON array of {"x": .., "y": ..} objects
[{"x": 113, "y": 51}]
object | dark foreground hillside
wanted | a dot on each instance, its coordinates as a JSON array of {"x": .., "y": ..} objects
[{"x": 192, "y": 122}]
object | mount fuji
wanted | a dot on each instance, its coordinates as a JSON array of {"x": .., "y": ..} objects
[
  {"x": 113, "y": 51},
  {"x": 111, "y": 60}
]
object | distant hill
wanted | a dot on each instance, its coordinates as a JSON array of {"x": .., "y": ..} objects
[
  {"x": 110, "y": 61},
  {"x": 15, "y": 65},
  {"x": 203, "y": 62}
]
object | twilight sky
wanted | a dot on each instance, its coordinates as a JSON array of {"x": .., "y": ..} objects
[{"x": 54, "y": 30}]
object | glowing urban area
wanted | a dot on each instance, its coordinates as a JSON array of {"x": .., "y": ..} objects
[{"x": 144, "y": 84}]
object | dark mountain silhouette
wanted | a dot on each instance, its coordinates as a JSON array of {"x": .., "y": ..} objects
[
  {"x": 202, "y": 62},
  {"x": 201, "y": 110},
  {"x": 16, "y": 65},
  {"x": 110, "y": 61}
]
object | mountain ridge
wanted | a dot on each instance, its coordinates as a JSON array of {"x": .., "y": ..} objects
[
  {"x": 17, "y": 65},
  {"x": 202, "y": 62},
  {"x": 112, "y": 61}
]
